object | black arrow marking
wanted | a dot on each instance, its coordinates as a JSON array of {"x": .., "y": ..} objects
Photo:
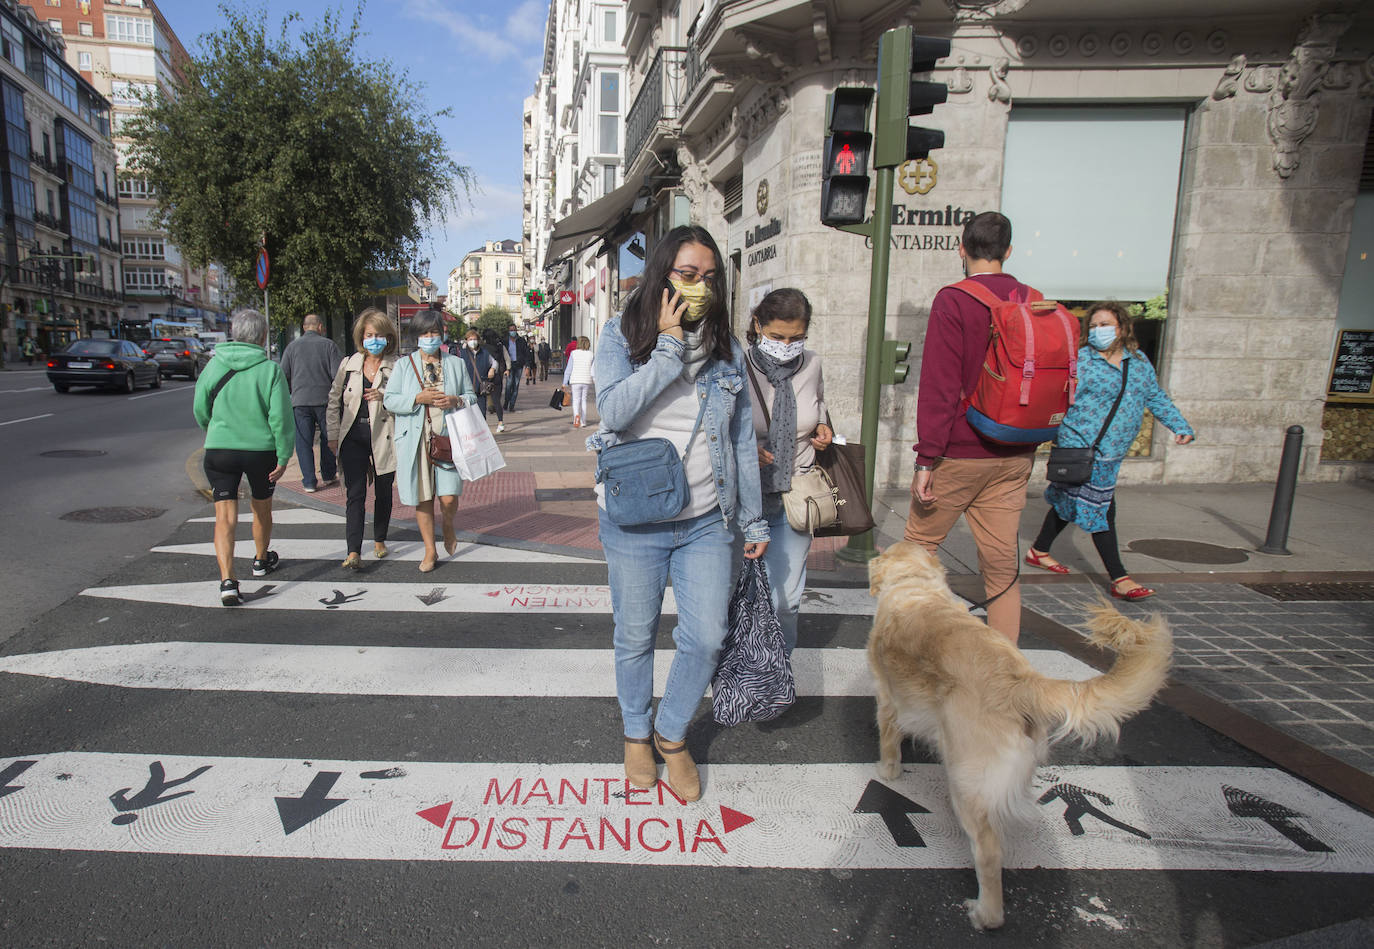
[
  {"x": 433, "y": 596},
  {"x": 12, "y": 772},
  {"x": 1244, "y": 804},
  {"x": 893, "y": 808},
  {"x": 296, "y": 812},
  {"x": 340, "y": 598}
]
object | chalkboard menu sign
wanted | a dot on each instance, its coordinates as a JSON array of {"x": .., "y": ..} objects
[{"x": 1352, "y": 368}]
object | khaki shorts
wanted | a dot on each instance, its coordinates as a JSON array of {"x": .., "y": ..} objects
[{"x": 991, "y": 493}]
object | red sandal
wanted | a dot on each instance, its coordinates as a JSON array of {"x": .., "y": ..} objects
[
  {"x": 1139, "y": 593},
  {"x": 1040, "y": 560}
]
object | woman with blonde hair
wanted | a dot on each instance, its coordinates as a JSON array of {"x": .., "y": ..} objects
[
  {"x": 361, "y": 431},
  {"x": 578, "y": 374},
  {"x": 423, "y": 387}
]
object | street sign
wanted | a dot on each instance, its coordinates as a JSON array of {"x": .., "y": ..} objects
[{"x": 264, "y": 268}]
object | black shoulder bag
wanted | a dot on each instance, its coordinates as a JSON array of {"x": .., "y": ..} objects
[
  {"x": 214, "y": 391},
  {"x": 1075, "y": 465}
]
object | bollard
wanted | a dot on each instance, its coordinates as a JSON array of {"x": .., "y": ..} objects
[{"x": 1276, "y": 540}]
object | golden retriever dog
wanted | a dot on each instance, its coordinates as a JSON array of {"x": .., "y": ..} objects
[{"x": 943, "y": 676}]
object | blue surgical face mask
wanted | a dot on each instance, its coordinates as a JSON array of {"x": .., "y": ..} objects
[
  {"x": 430, "y": 344},
  {"x": 512, "y": 334},
  {"x": 1102, "y": 337},
  {"x": 375, "y": 344}
]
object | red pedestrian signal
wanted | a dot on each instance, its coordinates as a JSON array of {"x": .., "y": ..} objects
[{"x": 844, "y": 185}]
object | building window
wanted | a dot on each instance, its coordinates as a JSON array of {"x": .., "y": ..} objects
[
  {"x": 145, "y": 248},
  {"x": 130, "y": 93},
  {"x": 498, "y": 283},
  {"x": 143, "y": 279},
  {"x": 129, "y": 29},
  {"x": 55, "y": 26},
  {"x": 608, "y": 107},
  {"x": 610, "y": 34},
  {"x": 12, "y": 43},
  {"x": 135, "y": 188},
  {"x": 83, "y": 62},
  {"x": 85, "y": 29},
  {"x": 608, "y": 179}
]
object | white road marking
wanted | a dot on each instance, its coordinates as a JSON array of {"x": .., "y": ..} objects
[
  {"x": 294, "y": 515},
  {"x": 31, "y": 418},
  {"x": 162, "y": 391},
  {"x": 407, "y": 670},
  {"x": 793, "y": 816},
  {"x": 29, "y": 389},
  {"x": 363, "y": 594},
  {"x": 324, "y": 549}
]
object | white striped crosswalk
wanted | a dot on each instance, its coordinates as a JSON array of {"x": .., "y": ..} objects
[{"x": 799, "y": 814}]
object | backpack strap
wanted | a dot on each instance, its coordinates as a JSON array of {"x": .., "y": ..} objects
[
  {"x": 1071, "y": 337},
  {"x": 219, "y": 384},
  {"x": 1028, "y": 364}
]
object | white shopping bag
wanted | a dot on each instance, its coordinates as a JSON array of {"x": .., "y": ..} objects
[{"x": 475, "y": 454}]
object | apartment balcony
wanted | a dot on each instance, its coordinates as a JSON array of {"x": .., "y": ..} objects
[
  {"x": 653, "y": 117},
  {"x": 47, "y": 220},
  {"x": 106, "y": 198},
  {"x": 47, "y": 164}
]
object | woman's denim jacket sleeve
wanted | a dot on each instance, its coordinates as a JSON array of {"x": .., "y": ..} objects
[{"x": 623, "y": 391}]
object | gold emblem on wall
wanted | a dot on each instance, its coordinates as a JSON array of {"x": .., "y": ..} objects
[
  {"x": 918, "y": 176},
  {"x": 761, "y": 198}
]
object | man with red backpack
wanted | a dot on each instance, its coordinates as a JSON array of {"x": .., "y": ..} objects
[{"x": 959, "y": 469}]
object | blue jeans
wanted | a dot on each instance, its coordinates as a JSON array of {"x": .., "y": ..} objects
[
  {"x": 308, "y": 419},
  {"x": 513, "y": 387},
  {"x": 785, "y": 559},
  {"x": 696, "y": 553}
]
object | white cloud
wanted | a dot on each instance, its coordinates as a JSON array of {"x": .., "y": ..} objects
[{"x": 480, "y": 35}]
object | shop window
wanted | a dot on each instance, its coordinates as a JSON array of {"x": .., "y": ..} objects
[{"x": 1091, "y": 223}]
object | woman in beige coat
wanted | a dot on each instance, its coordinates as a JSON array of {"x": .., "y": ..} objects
[{"x": 361, "y": 431}]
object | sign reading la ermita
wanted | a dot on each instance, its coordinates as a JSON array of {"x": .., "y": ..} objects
[{"x": 791, "y": 816}]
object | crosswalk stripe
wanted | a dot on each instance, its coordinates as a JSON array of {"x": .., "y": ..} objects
[
  {"x": 792, "y": 816},
  {"x": 407, "y": 670},
  {"x": 290, "y": 515},
  {"x": 296, "y": 549},
  {"x": 366, "y": 595}
]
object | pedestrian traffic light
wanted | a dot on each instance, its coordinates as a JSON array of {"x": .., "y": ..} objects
[
  {"x": 844, "y": 177},
  {"x": 900, "y": 97},
  {"x": 894, "y": 364}
]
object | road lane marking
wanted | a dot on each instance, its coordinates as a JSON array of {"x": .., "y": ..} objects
[
  {"x": 413, "y": 670},
  {"x": 162, "y": 391},
  {"x": 364, "y": 594},
  {"x": 31, "y": 418},
  {"x": 788, "y": 816},
  {"x": 29, "y": 389},
  {"x": 324, "y": 549}
]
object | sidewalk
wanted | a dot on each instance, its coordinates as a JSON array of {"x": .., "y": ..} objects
[{"x": 1277, "y": 652}]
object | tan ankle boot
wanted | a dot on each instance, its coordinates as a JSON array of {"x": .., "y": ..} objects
[
  {"x": 683, "y": 776},
  {"x": 639, "y": 763}
]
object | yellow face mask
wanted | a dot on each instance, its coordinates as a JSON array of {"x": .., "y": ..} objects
[{"x": 697, "y": 296}]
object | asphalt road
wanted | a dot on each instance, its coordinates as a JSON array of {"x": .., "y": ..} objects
[{"x": 144, "y": 439}]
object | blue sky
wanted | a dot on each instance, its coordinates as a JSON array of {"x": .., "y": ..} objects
[{"x": 478, "y": 59}]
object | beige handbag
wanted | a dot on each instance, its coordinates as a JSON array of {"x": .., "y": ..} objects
[{"x": 813, "y": 501}]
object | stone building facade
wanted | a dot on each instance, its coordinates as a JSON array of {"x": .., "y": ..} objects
[
  {"x": 490, "y": 275},
  {"x": 1211, "y": 152}
]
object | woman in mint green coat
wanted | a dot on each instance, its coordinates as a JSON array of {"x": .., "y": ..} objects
[{"x": 423, "y": 386}]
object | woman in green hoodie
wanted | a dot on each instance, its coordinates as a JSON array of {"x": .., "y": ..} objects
[{"x": 244, "y": 406}]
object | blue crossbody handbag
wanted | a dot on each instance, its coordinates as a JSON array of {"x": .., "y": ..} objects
[{"x": 644, "y": 479}]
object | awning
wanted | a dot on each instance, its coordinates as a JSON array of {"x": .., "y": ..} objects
[{"x": 587, "y": 224}]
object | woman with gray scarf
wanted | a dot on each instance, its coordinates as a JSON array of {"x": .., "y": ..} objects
[{"x": 790, "y": 424}]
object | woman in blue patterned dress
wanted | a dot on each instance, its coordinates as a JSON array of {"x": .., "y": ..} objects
[{"x": 1092, "y": 506}]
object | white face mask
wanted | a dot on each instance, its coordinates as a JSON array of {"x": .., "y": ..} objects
[
  {"x": 782, "y": 352},
  {"x": 472, "y": 344}
]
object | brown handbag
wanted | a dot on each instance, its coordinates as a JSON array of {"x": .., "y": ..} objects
[
  {"x": 845, "y": 465},
  {"x": 440, "y": 449}
]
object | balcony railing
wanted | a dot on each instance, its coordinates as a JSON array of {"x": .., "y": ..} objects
[
  {"x": 660, "y": 98},
  {"x": 694, "y": 70},
  {"x": 47, "y": 220}
]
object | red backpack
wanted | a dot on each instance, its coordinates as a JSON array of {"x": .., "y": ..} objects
[{"x": 1030, "y": 372}]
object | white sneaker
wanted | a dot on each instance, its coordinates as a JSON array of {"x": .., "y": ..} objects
[{"x": 500, "y": 427}]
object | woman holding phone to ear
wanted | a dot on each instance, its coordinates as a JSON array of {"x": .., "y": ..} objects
[{"x": 668, "y": 367}]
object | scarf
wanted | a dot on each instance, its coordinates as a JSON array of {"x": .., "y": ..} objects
[
  {"x": 695, "y": 354},
  {"x": 782, "y": 426}
]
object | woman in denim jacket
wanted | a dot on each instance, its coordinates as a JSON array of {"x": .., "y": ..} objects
[{"x": 668, "y": 360}]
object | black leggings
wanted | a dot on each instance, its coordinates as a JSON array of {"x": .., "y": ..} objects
[
  {"x": 1104, "y": 541},
  {"x": 354, "y": 455}
]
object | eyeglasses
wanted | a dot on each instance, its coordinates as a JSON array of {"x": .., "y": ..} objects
[
  {"x": 693, "y": 277},
  {"x": 431, "y": 373}
]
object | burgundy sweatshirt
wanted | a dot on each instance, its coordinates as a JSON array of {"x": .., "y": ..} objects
[{"x": 956, "y": 343}]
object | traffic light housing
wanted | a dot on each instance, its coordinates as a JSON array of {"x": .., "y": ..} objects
[
  {"x": 894, "y": 367},
  {"x": 844, "y": 176},
  {"x": 900, "y": 97}
]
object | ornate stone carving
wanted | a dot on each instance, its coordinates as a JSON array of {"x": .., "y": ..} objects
[
  {"x": 1339, "y": 76},
  {"x": 695, "y": 184},
  {"x": 1217, "y": 41},
  {"x": 1058, "y": 45},
  {"x": 1260, "y": 79},
  {"x": 1230, "y": 78},
  {"x": 1028, "y": 45},
  {"x": 1293, "y": 102},
  {"x": 1089, "y": 44},
  {"x": 762, "y": 113},
  {"x": 1152, "y": 43},
  {"x": 999, "y": 91},
  {"x": 820, "y": 29},
  {"x": 1366, "y": 89},
  {"x": 720, "y": 136},
  {"x": 1120, "y": 44},
  {"x": 983, "y": 9},
  {"x": 1184, "y": 43},
  {"x": 960, "y": 82}
]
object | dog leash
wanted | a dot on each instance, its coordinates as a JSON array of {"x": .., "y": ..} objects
[{"x": 984, "y": 603}]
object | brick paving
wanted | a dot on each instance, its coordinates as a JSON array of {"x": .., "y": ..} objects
[{"x": 1306, "y": 668}]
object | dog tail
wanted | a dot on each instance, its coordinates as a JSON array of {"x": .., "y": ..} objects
[{"x": 1096, "y": 708}]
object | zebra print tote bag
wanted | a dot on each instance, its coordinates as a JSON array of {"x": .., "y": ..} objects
[{"x": 753, "y": 681}]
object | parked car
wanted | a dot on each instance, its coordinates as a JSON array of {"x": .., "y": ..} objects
[
  {"x": 111, "y": 363},
  {"x": 179, "y": 355}
]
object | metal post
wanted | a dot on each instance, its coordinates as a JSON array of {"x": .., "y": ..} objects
[
  {"x": 860, "y": 548},
  {"x": 1276, "y": 540}
]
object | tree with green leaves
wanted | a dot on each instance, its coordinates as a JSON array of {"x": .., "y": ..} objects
[
  {"x": 303, "y": 143},
  {"x": 496, "y": 318}
]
